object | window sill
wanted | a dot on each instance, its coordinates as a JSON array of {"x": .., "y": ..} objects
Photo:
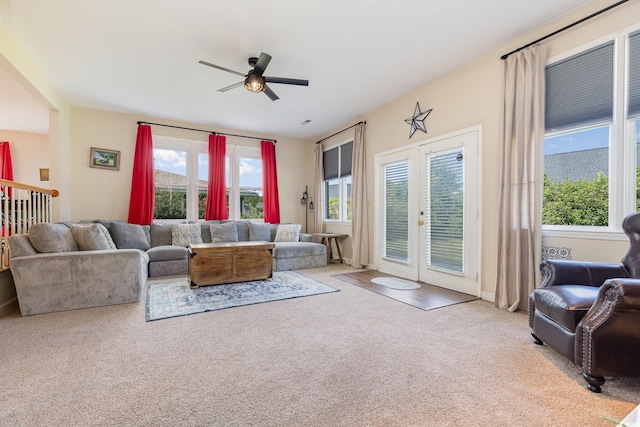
[{"x": 590, "y": 233}]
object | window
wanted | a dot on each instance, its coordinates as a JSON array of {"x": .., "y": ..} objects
[
  {"x": 337, "y": 185},
  {"x": 589, "y": 179},
  {"x": 182, "y": 177}
]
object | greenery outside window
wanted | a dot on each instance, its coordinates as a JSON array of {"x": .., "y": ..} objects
[{"x": 337, "y": 185}]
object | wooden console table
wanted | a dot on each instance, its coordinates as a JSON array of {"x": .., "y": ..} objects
[
  {"x": 326, "y": 239},
  {"x": 218, "y": 263}
]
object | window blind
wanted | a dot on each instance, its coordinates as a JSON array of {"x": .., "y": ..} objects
[
  {"x": 579, "y": 89},
  {"x": 634, "y": 75},
  {"x": 445, "y": 218},
  {"x": 330, "y": 164},
  {"x": 346, "y": 153},
  {"x": 395, "y": 221}
]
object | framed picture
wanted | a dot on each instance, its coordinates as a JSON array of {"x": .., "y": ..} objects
[{"x": 105, "y": 159}]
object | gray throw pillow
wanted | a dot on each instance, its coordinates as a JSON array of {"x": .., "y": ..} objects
[
  {"x": 185, "y": 234},
  {"x": 288, "y": 233},
  {"x": 50, "y": 238},
  {"x": 92, "y": 237},
  {"x": 160, "y": 234},
  {"x": 226, "y": 232},
  {"x": 128, "y": 236},
  {"x": 259, "y": 232}
]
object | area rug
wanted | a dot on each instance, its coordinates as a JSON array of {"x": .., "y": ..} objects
[
  {"x": 175, "y": 299},
  {"x": 395, "y": 283}
]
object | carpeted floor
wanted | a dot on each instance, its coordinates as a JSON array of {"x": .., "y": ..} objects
[{"x": 350, "y": 358}]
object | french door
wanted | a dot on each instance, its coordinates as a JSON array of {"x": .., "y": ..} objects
[{"x": 428, "y": 216}]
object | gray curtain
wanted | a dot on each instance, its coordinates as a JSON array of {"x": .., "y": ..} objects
[
  {"x": 318, "y": 212},
  {"x": 359, "y": 211},
  {"x": 521, "y": 180}
]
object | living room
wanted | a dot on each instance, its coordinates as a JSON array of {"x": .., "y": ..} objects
[{"x": 469, "y": 97}]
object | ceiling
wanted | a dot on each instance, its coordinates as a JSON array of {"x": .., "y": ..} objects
[{"x": 141, "y": 56}]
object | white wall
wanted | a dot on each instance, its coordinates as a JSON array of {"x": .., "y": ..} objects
[{"x": 29, "y": 153}]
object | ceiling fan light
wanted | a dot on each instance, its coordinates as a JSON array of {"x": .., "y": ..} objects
[{"x": 254, "y": 83}]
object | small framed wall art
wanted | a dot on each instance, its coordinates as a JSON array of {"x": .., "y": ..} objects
[{"x": 105, "y": 159}]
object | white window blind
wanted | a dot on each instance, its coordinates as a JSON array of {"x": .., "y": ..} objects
[
  {"x": 445, "y": 215},
  {"x": 395, "y": 221},
  {"x": 634, "y": 75},
  {"x": 579, "y": 89}
]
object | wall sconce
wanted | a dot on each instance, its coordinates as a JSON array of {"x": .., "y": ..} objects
[{"x": 44, "y": 174}]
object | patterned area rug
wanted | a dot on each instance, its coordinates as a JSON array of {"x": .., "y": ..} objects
[{"x": 174, "y": 299}]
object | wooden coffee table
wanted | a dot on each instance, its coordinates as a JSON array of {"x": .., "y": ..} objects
[{"x": 218, "y": 263}]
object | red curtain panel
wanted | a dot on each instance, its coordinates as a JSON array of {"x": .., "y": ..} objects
[
  {"x": 270, "y": 199},
  {"x": 217, "y": 187},
  {"x": 141, "y": 203}
]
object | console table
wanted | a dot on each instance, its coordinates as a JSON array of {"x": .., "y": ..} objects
[
  {"x": 218, "y": 263},
  {"x": 326, "y": 238}
]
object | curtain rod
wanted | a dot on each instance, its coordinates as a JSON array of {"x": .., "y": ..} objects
[
  {"x": 340, "y": 131},
  {"x": 207, "y": 131},
  {"x": 506, "y": 55}
]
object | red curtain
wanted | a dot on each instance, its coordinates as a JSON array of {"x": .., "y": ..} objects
[
  {"x": 217, "y": 187},
  {"x": 270, "y": 200},
  {"x": 6, "y": 168},
  {"x": 142, "y": 199}
]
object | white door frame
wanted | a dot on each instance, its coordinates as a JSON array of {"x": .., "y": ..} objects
[{"x": 379, "y": 161}]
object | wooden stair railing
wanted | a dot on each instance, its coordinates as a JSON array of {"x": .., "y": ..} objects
[{"x": 21, "y": 206}]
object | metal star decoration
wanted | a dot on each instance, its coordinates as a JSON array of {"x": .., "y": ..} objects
[{"x": 417, "y": 121}]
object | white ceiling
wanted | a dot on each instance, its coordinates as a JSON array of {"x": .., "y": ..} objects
[{"x": 141, "y": 56}]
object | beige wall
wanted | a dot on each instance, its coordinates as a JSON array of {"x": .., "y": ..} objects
[
  {"x": 471, "y": 96},
  {"x": 29, "y": 153},
  {"x": 99, "y": 193}
]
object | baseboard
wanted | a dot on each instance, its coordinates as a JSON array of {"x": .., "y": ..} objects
[
  {"x": 8, "y": 306},
  {"x": 488, "y": 296}
]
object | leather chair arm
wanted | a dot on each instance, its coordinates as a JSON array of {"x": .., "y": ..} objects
[
  {"x": 608, "y": 337},
  {"x": 565, "y": 272}
]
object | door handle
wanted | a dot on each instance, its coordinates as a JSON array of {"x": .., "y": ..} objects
[{"x": 421, "y": 222}]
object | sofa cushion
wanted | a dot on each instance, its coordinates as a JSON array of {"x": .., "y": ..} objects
[
  {"x": 50, "y": 238},
  {"x": 168, "y": 253},
  {"x": 243, "y": 230},
  {"x": 298, "y": 249},
  {"x": 259, "y": 232},
  {"x": 566, "y": 304},
  {"x": 205, "y": 230},
  {"x": 19, "y": 245},
  {"x": 185, "y": 234},
  {"x": 226, "y": 232},
  {"x": 160, "y": 234},
  {"x": 288, "y": 233},
  {"x": 128, "y": 236},
  {"x": 92, "y": 237}
]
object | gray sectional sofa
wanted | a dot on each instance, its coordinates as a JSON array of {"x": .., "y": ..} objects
[{"x": 67, "y": 266}]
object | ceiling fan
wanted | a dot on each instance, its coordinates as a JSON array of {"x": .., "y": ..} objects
[{"x": 254, "y": 80}]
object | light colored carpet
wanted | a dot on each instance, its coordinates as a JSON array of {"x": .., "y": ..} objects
[
  {"x": 395, "y": 283},
  {"x": 351, "y": 358},
  {"x": 175, "y": 298}
]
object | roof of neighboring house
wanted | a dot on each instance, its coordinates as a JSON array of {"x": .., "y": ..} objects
[{"x": 169, "y": 179}]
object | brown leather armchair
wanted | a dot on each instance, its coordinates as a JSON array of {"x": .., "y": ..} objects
[{"x": 590, "y": 312}]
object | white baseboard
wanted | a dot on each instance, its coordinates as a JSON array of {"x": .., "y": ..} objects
[{"x": 488, "y": 296}]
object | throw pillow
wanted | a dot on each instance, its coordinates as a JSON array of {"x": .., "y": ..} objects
[
  {"x": 259, "y": 232},
  {"x": 288, "y": 233},
  {"x": 185, "y": 234},
  {"x": 92, "y": 237},
  {"x": 160, "y": 234},
  {"x": 48, "y": 237},
  {"x": 128, "y": 236},
  {"x": 226, "y": 232}
]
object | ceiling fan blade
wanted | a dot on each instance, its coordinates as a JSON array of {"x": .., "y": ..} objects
[
  {"x": 271, "y": 94},
  {"x": 222, "y": 68},
  {"x": 262, "y": 63},
  {"x": 233, "y": 86},
  {"x": 286, "y": 81}
]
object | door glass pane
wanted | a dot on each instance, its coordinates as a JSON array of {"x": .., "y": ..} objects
[
  {"x": 171, "y": 184},
  {"x": 576, "y": 178},
  {"x": 445, "y": 211},
  {"x": 395, "y": 221},
  {"x": 637, "y": 145}
]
